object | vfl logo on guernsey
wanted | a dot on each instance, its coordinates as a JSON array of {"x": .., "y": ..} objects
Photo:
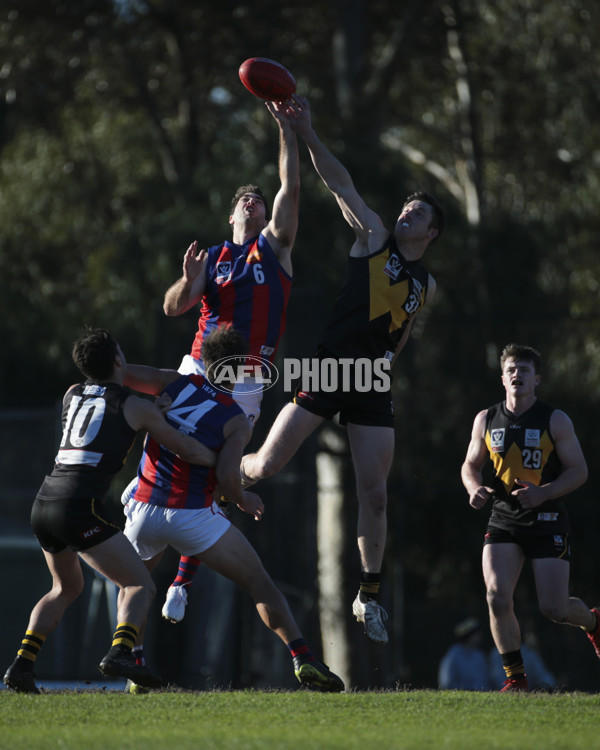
[
  {"x": 532, "y": 438},
  {"x": 223, "y": 271},
  {"x": 393, "y": 267},
  {"x": 497, "y": 440}
]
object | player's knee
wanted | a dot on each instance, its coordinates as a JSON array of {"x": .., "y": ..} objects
[
  {"x": 374, "y": 498},
  {"x": 144, "y": 592},
  {"x": 68, "y": 591},
  {"x": 555, "y": 612},
  {"x": 150, "y": 589},
  {"x": 498, "y": 602}
]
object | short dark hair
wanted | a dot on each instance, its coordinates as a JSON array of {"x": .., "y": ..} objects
[
  {"x": 94, "y": 354},
  {"x": 439, "y": 220},
  {"x": 223, "y": 342},
  {"x": 526, "y": 353},
  {"x": 244, "y": 190}
]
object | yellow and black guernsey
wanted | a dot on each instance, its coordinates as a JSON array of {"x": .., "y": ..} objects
[
  {"x": 381, "y": 293},
  {"x": 522, "y": 447}
]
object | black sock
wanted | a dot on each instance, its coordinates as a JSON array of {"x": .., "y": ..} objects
[
  {"x": 513, "y": 665},
  {"x": 369, "y": 584}
]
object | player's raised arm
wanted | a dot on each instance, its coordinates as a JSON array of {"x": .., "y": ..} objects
[
  {"x": 365, "y": 222},
  {"x": 187, "y": 290},
  {"x": 281, "y": 229}
]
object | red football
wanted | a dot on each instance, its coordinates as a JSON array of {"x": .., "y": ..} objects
[{"x": 267, "y": 79}]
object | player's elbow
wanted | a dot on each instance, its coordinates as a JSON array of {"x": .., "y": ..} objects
[
  {"x": 169, "y": 309},
  {"x": 194, "y": 456}
]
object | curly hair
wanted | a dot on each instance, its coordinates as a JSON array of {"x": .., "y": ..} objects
[
  {"x": 224, "y": 342},
  {"x": 94, "y": 354}
]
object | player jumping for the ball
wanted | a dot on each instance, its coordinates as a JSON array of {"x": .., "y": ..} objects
[
  {"x": 385, "y": 287},
  {"x": 247, "y": 281}
]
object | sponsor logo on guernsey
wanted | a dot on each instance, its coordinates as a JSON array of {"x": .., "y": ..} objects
[
  {"x": 497, "y": 440},
  {"x": 532, "y": 438},
  {"x": 547, "y": 517},
  {"x": 266, "y": 351},
  {"x": 223, "y": 271},
  {"x": 90, "y": 532},
  {"x": 94, "y": 390},
  {"x": 393, "y": 267}
]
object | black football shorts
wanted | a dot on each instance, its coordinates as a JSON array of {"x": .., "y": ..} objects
[{"x": 77, "y": 523}]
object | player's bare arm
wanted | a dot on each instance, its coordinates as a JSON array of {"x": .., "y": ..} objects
[
  {"x": 237, "y": 433},
  {"x": 142, "y": 414},
  {"x": 187, "y": 290},
  {"x": 283, "y": 226},
  {"x": 574, "y": 467},
  {"x": 470, "y": 471},
  {"x": 146, "y": 379},
  {"x": 369, "y": 229}
]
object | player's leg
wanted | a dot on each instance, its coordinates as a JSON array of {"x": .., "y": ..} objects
[
  {"x": 176, "y": 600},
  {"x": 372, "y": 449},
  {"x": 291, "y": 428},
  {"x": 234, "y": 557},
  {"x": 502, "y": 565},
  {"x": 117, "y": 560},
  {"x": 552, "y": 585},
  {"x": 67, "y": 584}
]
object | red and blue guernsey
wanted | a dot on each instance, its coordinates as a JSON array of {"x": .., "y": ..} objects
[
  {"x": 200, "y": 411},
  {"x": 247, "y": 287}
]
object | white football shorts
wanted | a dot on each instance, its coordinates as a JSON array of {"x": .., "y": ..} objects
[{"x": 190, "y": 531}]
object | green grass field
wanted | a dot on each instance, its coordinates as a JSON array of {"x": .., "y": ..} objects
[{"x": 253, "y": 720}]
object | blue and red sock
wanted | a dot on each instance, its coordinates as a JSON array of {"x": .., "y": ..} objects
[
  {"x": 299, "y": 651},
  {"x": 187, "y": 570}
]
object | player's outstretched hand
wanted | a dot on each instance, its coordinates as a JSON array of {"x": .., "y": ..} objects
[{"x": 295, "y": 111}]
